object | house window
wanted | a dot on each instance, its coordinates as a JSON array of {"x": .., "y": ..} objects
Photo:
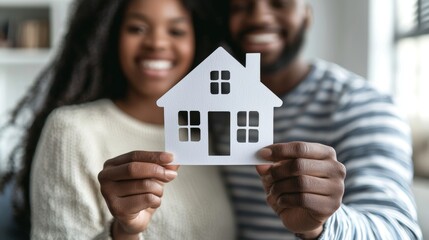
[
  {"x": 219, "y": 83},
  {"x": 248, "y": 125},
  {"x": 412, "y": 48},
  {"x": 189, "y": 126}
]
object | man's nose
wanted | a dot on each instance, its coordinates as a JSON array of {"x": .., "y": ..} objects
[{"x": 261, "y": 12}]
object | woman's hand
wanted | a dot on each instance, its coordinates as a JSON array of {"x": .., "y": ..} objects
[
  {"x": 132, "y": 186},
  {"x": 304, "y": 186}
]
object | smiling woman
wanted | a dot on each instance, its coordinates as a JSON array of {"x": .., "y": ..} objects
[{"x": 97, "y": 102}]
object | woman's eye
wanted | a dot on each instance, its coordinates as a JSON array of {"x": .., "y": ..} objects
[
  {"x": 136, "y": 29},
  {"x": 177, "y": 32}
]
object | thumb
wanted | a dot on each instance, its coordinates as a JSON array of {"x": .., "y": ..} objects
[{"x": 263, "y": 169}]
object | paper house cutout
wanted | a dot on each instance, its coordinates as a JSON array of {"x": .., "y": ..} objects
[{"x": 222, "y": 88}]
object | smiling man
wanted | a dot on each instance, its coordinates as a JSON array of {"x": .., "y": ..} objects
[{"x": 332, "y": 122}]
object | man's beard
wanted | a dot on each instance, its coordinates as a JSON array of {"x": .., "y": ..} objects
[{"x": 290, "y": 52}]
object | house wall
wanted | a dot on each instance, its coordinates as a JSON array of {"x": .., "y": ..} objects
[{"x": 198, "y": 152}]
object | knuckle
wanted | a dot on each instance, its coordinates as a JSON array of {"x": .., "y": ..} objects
[
  {"x": 104, "y": 193},
  {"x": 341, "y": 169},
  {"x": 300, "y": 148},
  {"x": 270, "y": 200},
  {"x": 144, "y": 184},
  {"x": 298, "y": 166},
  {"x": 107, "y": 163},
  {"x": 139, "y": 185},
  {"x": 151, "y": 186},
  {"x": 278, "y": 172},
  {"x": 153, "y": 157},
  {"x": 275, "y": 190},
  {"x": 133, "y": 169},
  {"x": 337, "y": 205},
  {"x": 331, "y": 152},
  {"x": 341, "y": 188},
  {"x": 283, "y": 201},
  {"x": 301, "y": 182},
  {"x": 116, "y": 208},
  {"x": 158, "y": 171},
  {"x": 160, "y": 192},
  {"x": 152, "y": 200},
  {"x": 100, "y": 177},
  {"x": 135, "y": 156},
  {"x": 302, "y": 199}
]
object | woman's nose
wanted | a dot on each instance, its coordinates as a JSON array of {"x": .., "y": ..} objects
[{"x": 157, "y": 39}]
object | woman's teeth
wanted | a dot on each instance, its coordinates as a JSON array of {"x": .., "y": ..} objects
[{"x": 157, "y": 64}]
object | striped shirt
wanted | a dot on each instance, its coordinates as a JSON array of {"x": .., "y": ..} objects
[{"x": 337, "y": 108}]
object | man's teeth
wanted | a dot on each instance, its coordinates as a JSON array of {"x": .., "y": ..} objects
[
  {"x": 262, "y": 38},
  {"x": 157, "y": 64}
]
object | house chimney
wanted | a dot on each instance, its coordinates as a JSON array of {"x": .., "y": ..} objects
[{"x": 253, "y": 64}]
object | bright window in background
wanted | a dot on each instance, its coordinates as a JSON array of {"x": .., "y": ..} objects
[{"x": 412, "y": 57}]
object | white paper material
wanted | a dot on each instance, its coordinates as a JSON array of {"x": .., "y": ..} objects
[{"x": 219, "y": 86}]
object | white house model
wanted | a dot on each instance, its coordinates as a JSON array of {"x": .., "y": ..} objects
[{"x": 219, "y": 88}]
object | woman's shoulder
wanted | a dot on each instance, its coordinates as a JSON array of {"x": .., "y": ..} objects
[{"x": 81, "y": 114}]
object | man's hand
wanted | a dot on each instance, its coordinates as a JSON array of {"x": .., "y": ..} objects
[
  {"x": 132, "y": 186},
  {"x": 304, "y": 186}
]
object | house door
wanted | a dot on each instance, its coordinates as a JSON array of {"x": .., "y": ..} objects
[{"x": 221, "y": 122}]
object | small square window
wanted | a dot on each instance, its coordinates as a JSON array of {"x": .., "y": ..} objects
[
  {"x": 253, "y": 119},
  {"x": 241, "y": 135},
  {"x": 214, "y": 75},
  {"x": 183, "y": 118},
  {"x": 183, "y": 134},
  {"x": 225, "y": 75},
  {"x": 253, "y": 135},
  {"x": 195, "y": 134},
  {"x": 195, "y": 118},
  {"x": 225, "y": 88},
  {"x": 214, "y": 88},
  {"x": 241, "y": 119}
]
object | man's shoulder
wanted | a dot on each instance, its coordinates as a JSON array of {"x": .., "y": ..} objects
[
  {"x": 331, "y": 71},
  {"x": 341, "y": 79}
]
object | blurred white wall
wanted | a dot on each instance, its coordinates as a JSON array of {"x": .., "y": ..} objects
[
  {"x": 340, "y": 33},
  {"x": 19, "y": 68},
  {"x": 357, "y": 35}
]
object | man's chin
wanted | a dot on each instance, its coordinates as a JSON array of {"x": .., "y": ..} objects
[{"x": 268, "y": 61}]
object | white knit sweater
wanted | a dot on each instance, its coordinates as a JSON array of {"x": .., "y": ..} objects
[{"x": 65, "y": 196}]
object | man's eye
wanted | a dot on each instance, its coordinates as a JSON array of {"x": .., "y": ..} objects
[
  {"x": 239, "y": 7},
  {"x": 281, "y": 3}
]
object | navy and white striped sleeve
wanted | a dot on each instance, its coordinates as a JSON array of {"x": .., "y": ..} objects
[{"x": 374, "y": 145}]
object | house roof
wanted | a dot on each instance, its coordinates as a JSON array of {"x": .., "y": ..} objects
[{"x": 245, "y": 85}]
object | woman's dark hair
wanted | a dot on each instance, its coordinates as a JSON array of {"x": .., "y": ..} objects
[{"x": 85, "y": 69}]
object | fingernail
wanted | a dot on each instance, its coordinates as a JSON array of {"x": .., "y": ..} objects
[
  {"x": 265, "y": 153},
  {"x": 170, "y": 174},
  {"x": 166, "y": 157}
]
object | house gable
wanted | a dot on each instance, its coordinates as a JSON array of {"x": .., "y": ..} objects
[{"x": 244, "y": 84}]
